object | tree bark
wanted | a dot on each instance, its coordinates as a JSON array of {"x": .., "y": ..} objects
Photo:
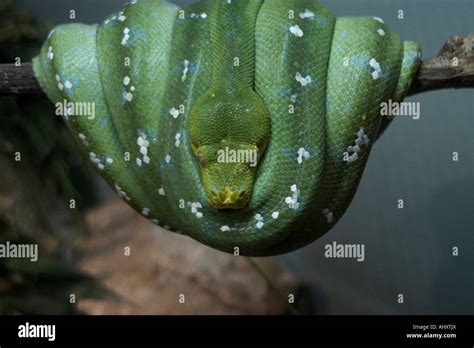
[
  {"x": 453, "y": 67},
  {"x": 18, "y": 80}
]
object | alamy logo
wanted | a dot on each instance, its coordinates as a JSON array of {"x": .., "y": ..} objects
[
  {"x": 10, "y": 250},
  {"x": 347, "y": 251},
  {"x": 68, "y": 109},
  {"x": 228, "y": 155},
  {"x": 37, "y": 331},
  {"x": 391, "y": 108}
]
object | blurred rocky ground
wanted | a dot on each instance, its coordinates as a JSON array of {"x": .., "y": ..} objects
[{"x": 149, "y": 268}]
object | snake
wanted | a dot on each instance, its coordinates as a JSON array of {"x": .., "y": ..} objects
[{"x": 243, "y": 124}]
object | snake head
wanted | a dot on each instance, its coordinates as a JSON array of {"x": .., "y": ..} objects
[
  {"x": 228, "y": 173},
  {"x": 228, "y": 135}
]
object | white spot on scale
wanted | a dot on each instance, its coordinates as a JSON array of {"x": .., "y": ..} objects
[
  {"x": 361, "y": 142},
  {"x": 146, "y": 211},
  {"x": 168, "y": 158},
  {"x": 128, "y": 96},
  {"x": 259, "y": 224},
  {"x": 161, "y": 191},
  {"x": 194, "y": 209},
  {"x": 178, "y": 139},
  {"x": 377, "y": 69},
  {"x": 296, "y": 31},
  {"x": 293, "y": 200},
  {"x": 302, "y": 154},
  {"x": 185, "y": 71},
  {"x": 126, "y": 81},
  {"x": 381, "y": 32},
  {"x": 374, "y": 64},
  {"x": 122, "y": 193},
  {"x": 225, "y": 228},
  {"x": 306, "y": 14},
  {"x": 50, "y": 54},
  {"x": 303, "y": 80},
  {"x": 354, "y": 157},
  {"x": 126, "y": 36},
  {"x": 380, "y": 20},
  {"x": 140, "y": 141},
  {"x": 275, "y": 215},
  {"x": 174, "y": 112},
  {"x": 197, "y": 15}
]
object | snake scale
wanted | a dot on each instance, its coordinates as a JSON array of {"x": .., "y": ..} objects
[{"x": 282, "y": 79}]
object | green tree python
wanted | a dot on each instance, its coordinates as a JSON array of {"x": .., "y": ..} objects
[{"x": 185, "y": 97}]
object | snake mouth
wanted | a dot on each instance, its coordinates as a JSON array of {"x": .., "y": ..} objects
[
  {"x": 228, "y": 186},
  {"x": 228, "y": 198}
]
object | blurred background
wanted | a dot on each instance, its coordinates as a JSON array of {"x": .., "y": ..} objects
[{"x": 114, "y": 261}]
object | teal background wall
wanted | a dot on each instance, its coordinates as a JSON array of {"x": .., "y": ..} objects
[{"x": 408, "y": 251}]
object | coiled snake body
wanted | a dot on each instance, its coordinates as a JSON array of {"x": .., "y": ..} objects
[{"x": 282, "y": 79}]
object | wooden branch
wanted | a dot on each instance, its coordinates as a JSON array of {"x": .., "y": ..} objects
[
  {"x": 453, "y": 67},
  {"x": 18, "y": 80}
]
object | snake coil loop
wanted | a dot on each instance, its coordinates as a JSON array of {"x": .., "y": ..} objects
[{"x": 182, "y": 100}]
